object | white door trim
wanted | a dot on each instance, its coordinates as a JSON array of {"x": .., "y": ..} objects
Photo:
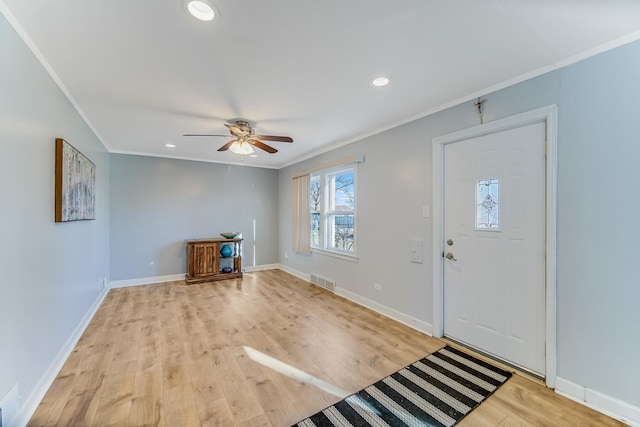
[{"x": 548, "y": 115}]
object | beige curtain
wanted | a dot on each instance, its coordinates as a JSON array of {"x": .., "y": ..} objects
[{"x": 301, "y": 215}]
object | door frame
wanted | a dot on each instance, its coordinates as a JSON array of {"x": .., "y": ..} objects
[{"x": 547, "y": 115}]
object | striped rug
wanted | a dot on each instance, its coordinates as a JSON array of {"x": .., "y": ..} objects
[{"x": 438, "y": 390}]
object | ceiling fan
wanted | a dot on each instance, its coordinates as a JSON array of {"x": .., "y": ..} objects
[{"x": 245, "y": 139}]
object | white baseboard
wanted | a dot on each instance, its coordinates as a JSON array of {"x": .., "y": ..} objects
[
  {"x": 175, "y": 277},
  {"x": 299, "y": 274},
  {"x": 30, "y": 404},
  {"x": 394, "y": 314},
  {"x": 145, "y": 280},
  {"x": 261, "y": 267},
  {"x": 600, "y": 402}
]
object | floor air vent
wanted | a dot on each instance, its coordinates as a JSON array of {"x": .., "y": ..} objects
[
  {"x": 330, "y": 285},
  {"x": 323, "y": 282}
]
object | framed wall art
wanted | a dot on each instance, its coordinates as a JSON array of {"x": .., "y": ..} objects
[{"x": 75, "y": 197}]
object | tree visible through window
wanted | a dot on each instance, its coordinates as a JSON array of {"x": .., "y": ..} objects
[
  {"x": 341, "y": 213},
  {"x": 333, "y": 205},
  {"x": 314, "y": 198}
]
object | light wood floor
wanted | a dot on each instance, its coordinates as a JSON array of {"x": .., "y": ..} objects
[{"x": 176, "y": 355}]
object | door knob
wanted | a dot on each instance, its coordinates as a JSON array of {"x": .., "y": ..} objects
[{"x": 449, "y": 255}]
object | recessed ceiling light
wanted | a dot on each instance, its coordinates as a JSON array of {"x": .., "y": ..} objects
[
  {"x": 380, "y": 81},
  {"x": 203, "y": 10},
  {"x": 253, "y": 155},
  {"x": 170, "y": 145}
]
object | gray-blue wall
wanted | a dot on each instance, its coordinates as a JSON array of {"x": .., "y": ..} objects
[
  {"x": 598, "y": 233},
  {"x": 598, "y": 204},
  {"x": 50, "y": 271},
  {"x": 157, "y": 203}
]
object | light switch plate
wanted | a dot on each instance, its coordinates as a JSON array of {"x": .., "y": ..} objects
[
  {"x": 426, "y": 211},
  {"x": 415, "y": 246}
]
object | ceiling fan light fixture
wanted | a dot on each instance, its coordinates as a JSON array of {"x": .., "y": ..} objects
[
  {"x": 202, "y": 9},
  {"x": 241, "y": 147},
  {"x": 380, "y": 81}
]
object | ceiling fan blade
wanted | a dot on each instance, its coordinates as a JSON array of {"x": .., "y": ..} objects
[
  {"x": 274, "y": 138},
  {"x": 203, "y": 134},
  {"x": 263, "y": 146},
  {"x": 226, "y": 146}
]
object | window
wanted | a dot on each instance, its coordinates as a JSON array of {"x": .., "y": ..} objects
[
  {"x": 332, "y": 195},
  {"x": 488, "y": 204},
  {"x": 314, "y": 209}
]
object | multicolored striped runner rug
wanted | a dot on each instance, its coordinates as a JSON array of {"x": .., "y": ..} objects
[{"x": 438, "y": 390}]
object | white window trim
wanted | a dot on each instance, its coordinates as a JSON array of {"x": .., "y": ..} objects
[
  {"x": 325, "y": 213},
  {"x": 340, "y": 255}
]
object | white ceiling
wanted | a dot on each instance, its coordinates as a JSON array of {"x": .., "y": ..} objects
[{"x": 144, "y": 72}]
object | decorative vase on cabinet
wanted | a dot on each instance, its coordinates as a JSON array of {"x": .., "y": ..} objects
[
  {"x": 226, "y": 251},
  {"x": 204, "y": 256}
]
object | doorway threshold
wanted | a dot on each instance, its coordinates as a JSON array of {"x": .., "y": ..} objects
[{"x": 495, "y": 360}]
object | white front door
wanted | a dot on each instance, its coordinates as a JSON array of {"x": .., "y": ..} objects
[{"x": 494, "y": 231}]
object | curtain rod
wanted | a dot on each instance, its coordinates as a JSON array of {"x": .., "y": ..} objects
[{"x": 351, "y": 159}]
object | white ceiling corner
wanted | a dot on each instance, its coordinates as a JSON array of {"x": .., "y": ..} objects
[{"x": 143, "y": 73}]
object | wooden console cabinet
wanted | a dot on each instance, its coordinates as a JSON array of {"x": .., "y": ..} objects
[{"x": 205, "y": 263}]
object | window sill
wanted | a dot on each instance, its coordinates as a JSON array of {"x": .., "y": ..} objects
[{"x": 339, "y": 255}]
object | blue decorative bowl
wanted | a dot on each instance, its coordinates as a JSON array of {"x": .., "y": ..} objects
[{"x": 229, "y": 235}]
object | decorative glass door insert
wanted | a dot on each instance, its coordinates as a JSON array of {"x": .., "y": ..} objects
[{"x": 488, "y": 204}]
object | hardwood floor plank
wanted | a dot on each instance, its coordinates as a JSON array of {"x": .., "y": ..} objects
[
  {"x": 259, "y": 421},
  {"x": 237, "y": 390},
  {"x": 53, "y": 403},
  {"x": 97, "y": 362},
  {"x": 271, "y": 389},
  {"x": 81, "y": 408},
  {"x": 72, "y": 364},
  {"x": 147, "y": 400},
  {"x": 180, "y": 407},
  {"x": 115, "y": 401},
  {"x": 215, "y": 413},
  {"x": 204, "y": 379},
  {"x": 523, "y": 397},
  {"x": 150, "y": 348},
  {"x": 511, "y": 421},
  {"x": 484, "y": 416},
  {"x": 91, "y": 379},
  {"x": 175, "y": 371},
  {"x": 265, "y": 350}
]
